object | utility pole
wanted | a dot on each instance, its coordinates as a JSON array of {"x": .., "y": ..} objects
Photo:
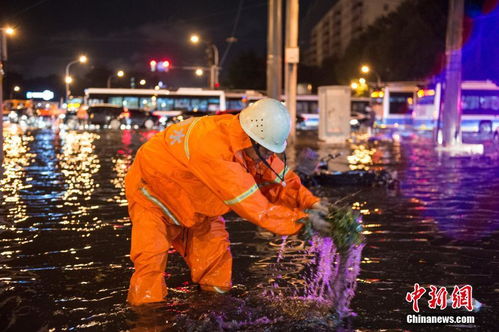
[
  {"x": 3, "y": 57},
  {"x": 292, "y": 57},
  {"x": 451, "y": 112},
  {"x": 274, "y": 49}
]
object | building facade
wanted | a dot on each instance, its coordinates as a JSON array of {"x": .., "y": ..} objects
[{"x": 344, "y": 21}]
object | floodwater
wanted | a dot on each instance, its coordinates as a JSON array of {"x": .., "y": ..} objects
[{"x": 65, "y": 234}]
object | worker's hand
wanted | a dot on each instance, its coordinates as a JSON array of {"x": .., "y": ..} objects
[
  {"x": 319, "y": 224},
  {"x": 318, "y": 206}
]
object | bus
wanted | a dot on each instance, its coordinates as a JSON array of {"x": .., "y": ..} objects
[
  {"x": 182, "y": 99},
  {"x": 198, "y": 101},
  {"x": 419, "y": 105},
  {"x": 307, "y": 109}
]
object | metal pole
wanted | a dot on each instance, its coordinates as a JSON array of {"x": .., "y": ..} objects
[
  {"x": 451, "y": 112},
  {"x": 379, "y": 79},
  {"x": 3, "y": 56},
  {"x": 291, "y": 61},
  {"x": 274, "y": 52},
  {"x": 109, "y": 81},
  {"x": 216, "y": 63},
  {"x": 68, "y": 92}
]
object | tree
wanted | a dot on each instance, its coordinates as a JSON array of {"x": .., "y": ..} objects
[{"x": 408, "y": 44}]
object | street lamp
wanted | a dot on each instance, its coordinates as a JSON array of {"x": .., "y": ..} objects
[
  {"x": 3, "y": 57},
  {"x": 214, "y": 69},
  {"x": 119, "y": 73},
  {"x": 198, "y": 72},
  {"x": 15, "y": 89},
  {"x": 142, "y": 82},
  {"x": 68, "y": 79},
  {"x": 194, "y": 39},
  {"x": 365, "y": 69}
]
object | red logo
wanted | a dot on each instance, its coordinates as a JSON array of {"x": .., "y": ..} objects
[
  {"x": 460, "y": 297},
  {"x": 415, "y": 296}
]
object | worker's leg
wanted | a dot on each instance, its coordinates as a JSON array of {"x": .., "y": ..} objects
[
  {"x": 149, "y": 254},
  {"x": 208, "y": 255}
]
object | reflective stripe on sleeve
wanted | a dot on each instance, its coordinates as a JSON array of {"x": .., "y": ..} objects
[
  {"x": 186, "y": 141},
  {"x": 243, "y": 196},
  {"x": 160, "y": 205}
]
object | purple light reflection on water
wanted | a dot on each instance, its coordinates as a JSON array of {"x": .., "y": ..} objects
[{"x": 331, "y": 280}]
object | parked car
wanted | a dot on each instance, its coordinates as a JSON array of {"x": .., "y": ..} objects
[
  {"x": 139, "y": 118},
  {"x": 105, "y": 115}
]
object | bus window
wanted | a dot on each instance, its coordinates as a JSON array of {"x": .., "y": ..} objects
[
  {"x": 146, "y": 103},
  {"x": 307, "y": 107},
  {"x": 164, "y": 104},
  {"x": 131, "y": 102},
  {"x": 95, "y": 101},
  {"x": 182, "y": 104},
  {"x": 213, "y": 104},
  {"x": 234, "y": 104},
  {"x": 400, "y": 103},
  {"x": 484, "y": 102},
  {"x": 198, "y": 104},
  {"x": 118, "y": 101}
]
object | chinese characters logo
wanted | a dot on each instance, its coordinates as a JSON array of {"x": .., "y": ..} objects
[{"x": 460, "y": 297}]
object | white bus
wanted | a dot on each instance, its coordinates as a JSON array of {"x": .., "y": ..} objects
[
  {"x": 183, "y": 99},
  {"x": 408, "y": 104}
]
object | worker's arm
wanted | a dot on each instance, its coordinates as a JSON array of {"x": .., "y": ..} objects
[{"x": 237, "y": 188}]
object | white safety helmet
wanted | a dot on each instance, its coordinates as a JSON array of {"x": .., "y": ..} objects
[{"x": 268, "y": 123}]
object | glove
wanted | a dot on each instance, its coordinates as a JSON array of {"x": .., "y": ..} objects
[
  {"x": 318, "y": 223},
  {"x": 318, "y": 206}
]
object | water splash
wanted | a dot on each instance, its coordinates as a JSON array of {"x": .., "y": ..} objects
[
  {"x": 330, "y": 280},
  {"x": 335, "y": 278}
]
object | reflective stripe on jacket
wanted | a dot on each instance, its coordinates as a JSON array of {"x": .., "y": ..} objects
[{"x": 196, "y": 169}]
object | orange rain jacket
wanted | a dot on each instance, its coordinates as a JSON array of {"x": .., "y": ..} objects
[{"x": 190, "y": 174}]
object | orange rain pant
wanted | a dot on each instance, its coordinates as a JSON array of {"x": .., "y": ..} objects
[{"x": 205, "y": 248}]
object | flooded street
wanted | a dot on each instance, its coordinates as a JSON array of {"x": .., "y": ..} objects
[{"x": 65, "y": 238}]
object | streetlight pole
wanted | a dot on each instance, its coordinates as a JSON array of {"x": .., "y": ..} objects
[
  {"x": 214, "y": 63},
  {"x": 3, "y": 57},
  {"x": 119, "y": 73},
  {"x": 366, "y": 69},
  {"x": 214, "y": 67},
  {"x": 67, "y": 78}
]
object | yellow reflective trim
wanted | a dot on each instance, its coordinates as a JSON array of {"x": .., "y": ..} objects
[
  {"x": 277, "y": 179},
  {"x": 281, "y": 175},
  {"x": 186, "y": 141},
  {"x": 160, "y": 205},
  {"x": 243, "y": 196},
  {"x": 218, "y": 290}
]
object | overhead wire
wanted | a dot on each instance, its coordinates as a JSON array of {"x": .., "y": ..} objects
[{"x": 234, "y": 28}]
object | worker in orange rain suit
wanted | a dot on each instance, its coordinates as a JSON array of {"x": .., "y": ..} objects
[{"x": 190, "y": 174}]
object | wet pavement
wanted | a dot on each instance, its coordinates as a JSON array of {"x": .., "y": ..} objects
[{"x": 65, "y": 234}]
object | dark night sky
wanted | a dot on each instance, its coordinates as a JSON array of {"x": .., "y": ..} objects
[{"x": 127, "y": 33}]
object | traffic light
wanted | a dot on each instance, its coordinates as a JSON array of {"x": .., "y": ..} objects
[
  {"x": 209, "y": 55},
  {"x": 153, "y": 64},
  {"x": 164, "y": 65},
  {"x": 161, "y": 66}
]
